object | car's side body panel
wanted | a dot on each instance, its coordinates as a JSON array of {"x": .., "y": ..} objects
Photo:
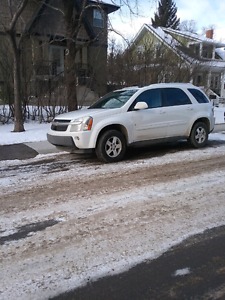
[{"x": 166, "y": 117}]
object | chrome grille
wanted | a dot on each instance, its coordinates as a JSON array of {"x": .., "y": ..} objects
[{"x": 60, "y": 125}]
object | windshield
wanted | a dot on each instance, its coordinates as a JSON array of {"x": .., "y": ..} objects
[{"x": 114, "y": 99}]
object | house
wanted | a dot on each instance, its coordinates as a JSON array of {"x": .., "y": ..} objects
[
  {"x": 164, "y": 54},
  {"x": 43, "y": 35}
]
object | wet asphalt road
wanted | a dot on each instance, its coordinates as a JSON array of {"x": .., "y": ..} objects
[
  {"x": 193, "y": 270},
  {"x": 16, "y": 151}
]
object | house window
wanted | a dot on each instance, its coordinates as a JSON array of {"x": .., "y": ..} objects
[
  {"x": 98, "y": 18},
  {"x": 207, "y": 51},
  {"x": 56, "y": 56},
  {"x": 199, "y": 80},
  {"x": 195, "y": 48},
  {"x": 158, "y": 51},
  {"x": 215, "y": 82}
]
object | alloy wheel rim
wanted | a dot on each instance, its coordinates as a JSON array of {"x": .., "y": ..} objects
[
  {"x": 113, "y": 146},
  {"x": 200, "y": 135}
]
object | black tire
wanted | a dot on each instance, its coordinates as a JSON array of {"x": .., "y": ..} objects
[
  {"x": 199, "y": 135},
  {"x": 111, "y": 146}
]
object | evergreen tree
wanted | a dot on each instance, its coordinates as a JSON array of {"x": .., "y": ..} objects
[{"x": 166, "y": 16}]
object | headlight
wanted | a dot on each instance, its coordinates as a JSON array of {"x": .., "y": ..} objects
[{"x": 82, "y": 124}]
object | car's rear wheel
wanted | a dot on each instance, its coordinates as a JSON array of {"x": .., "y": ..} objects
[
  {"x": 199, "y": 135},
  {"x": 111, "y": 146}
]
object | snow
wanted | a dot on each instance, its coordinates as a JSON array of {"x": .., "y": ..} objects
[
  {"x": 182, "y": 272},
  {"x": 221, "y": 52},
  {"x": 219, "y": 115},
  {"x": 34, "y": 132},
  {"x": 105, "y": 239},
  {"x": 113, "y": 232}
]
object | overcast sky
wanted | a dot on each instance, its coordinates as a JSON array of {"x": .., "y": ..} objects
[{"x": 205, "y": 13}]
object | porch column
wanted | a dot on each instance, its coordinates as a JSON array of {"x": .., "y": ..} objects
[
  {"x": 213, "y": 52},
  {"x": 209, "y": 80},
  {"x": 200, "y": 50},
  {"x": 222, "y": 92}
]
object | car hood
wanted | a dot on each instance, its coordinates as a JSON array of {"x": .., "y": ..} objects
[{"x": 85, "y": 113}]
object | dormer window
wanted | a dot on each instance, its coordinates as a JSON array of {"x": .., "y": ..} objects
[
  {"x": 98, "y": 20},
  {"x": 207, "y": 51}
]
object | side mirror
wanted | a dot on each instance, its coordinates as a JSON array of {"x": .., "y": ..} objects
[{"x": 140, "y": 106}]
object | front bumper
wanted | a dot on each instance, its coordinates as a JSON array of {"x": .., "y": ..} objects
[
  {"x": 62, "y": 141},
  {"x": 79, "y": 143}
]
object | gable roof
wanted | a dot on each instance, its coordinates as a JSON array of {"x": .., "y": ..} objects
[
  {"x": 110, "y": 8},
  {"x": 162, "y": 36},
  {"x": 167, "y": 37},
  {"x": 194, "y": 37}
]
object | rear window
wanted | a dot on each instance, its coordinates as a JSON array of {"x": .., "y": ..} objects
[
  {"x": 175, "y": 97},
  {"x": 199, "y": 96}
]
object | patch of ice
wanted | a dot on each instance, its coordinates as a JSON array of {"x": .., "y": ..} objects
[{"x": 182, "y": 272}]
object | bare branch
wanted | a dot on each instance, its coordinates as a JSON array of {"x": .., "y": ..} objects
[
  {"x": 53, "y": 7},
  {"x": 17, "y": 14}
]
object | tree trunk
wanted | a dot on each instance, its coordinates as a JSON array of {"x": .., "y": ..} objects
[
  {"x": 18, "y": 114},
  {"x": 70, "y": 76},
  {"x": 70, "y": 65}
]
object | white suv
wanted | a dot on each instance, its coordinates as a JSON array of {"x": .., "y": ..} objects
[{"x": 136, "y": 116}]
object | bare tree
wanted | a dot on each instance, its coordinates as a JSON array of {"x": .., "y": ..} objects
[
  {"x": 74, "y": 22},
  {"x": 148, "y": 63},
  {"x": 15, "y": 43},
  {"x": 6, "y": 72},
  {"x": 74, "y": 14},
  {"x": 188, "y": 25}
]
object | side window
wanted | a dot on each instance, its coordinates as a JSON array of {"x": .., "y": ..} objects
[
  {"x": 199, "y": 96},
  {"x": 151, "y": 97},
  {"x": 98, "y": 18},
  {"x": 175, "y": 96}
]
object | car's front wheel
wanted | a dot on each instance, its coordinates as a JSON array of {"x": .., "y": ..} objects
[
  {"x": 111, "y": 146},
  {"x": 199, "y": 135}
]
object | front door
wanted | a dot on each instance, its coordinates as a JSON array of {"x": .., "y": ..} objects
[{"x": 150, "y": 123}]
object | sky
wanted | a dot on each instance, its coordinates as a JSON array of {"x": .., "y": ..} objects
[{"x": 206, "y": 13}]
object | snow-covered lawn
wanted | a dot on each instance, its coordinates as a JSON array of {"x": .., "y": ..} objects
[{"x": 34, "y": 132}]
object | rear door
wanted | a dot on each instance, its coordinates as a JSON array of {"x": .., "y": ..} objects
[{"x": 179, "y": 111}]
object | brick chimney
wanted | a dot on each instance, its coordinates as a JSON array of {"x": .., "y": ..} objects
[{"x": 209, "y": 33}]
